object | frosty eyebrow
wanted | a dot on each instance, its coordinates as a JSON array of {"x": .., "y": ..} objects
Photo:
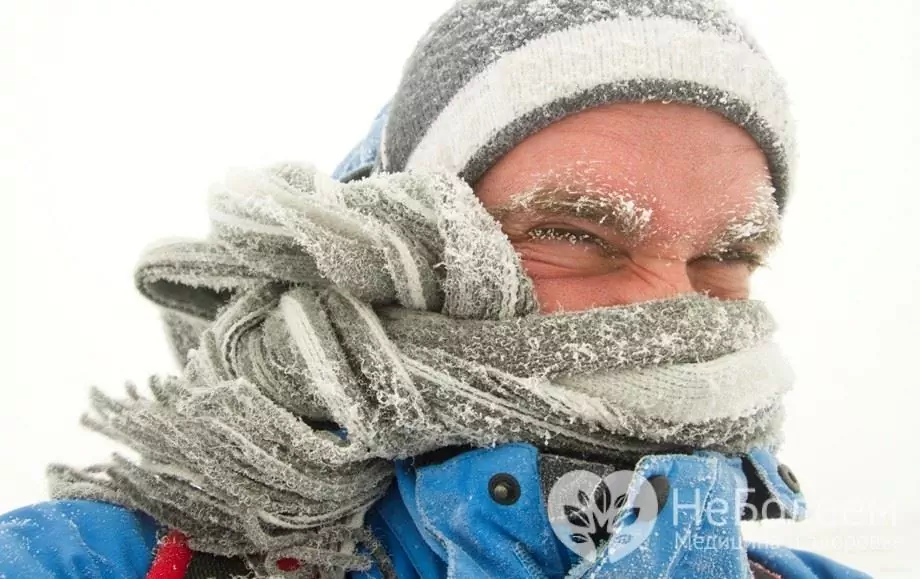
[
  {"x": 615, "y": 212},
  {"x": 760, "y": 227}
]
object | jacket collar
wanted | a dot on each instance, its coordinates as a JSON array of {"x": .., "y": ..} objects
[{"x": 499, "y": 512}]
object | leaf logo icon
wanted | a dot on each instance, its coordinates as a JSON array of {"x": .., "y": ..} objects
[{"x": 587, "y": 511}]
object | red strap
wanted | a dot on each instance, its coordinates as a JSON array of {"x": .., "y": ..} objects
[
  {"x": 172, "y": 558},
  {"x": 287, "y": 564}
]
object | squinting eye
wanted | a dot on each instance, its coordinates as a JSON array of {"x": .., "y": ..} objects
[{"x": 557, "y": 251}]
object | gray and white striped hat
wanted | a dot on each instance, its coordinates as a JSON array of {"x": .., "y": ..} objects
[{"x": 489, "y": 73}]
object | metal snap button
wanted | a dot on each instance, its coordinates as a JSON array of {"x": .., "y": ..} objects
[
  {"x": 504, "y": 489},
  {"x": 788, "y": 477}
]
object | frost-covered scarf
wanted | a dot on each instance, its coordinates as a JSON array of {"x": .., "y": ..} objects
[{"x": 329, "y": 329}]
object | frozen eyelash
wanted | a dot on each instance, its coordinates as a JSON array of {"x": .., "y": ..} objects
[
  {"x": 751, "y": 258},
  {"x": 562, "y": 234}
]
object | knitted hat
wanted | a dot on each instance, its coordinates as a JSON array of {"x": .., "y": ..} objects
[{"x": 489, "y": 73}]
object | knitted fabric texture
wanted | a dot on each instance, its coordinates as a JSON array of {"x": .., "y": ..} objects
[
  {"x": 489, "y": 73},
  {"x": 395, "y": 309}
]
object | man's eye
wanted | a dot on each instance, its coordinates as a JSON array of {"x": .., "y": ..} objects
[{"x": 749, "y": 258}]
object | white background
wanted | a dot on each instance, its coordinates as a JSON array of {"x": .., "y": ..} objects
[{"x": 116, "y": 116}]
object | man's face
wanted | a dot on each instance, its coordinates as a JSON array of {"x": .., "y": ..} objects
[{"x": 632, "y": 202}]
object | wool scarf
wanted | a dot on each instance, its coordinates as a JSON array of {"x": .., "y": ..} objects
[{"x": 326, "y": 330}]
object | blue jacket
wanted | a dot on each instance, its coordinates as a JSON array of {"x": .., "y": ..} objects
[
  {"x": 482, "y": 513},
  {"x": 443, "y": 518}
]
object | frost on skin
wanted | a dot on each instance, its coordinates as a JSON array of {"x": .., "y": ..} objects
[
  {"x": 632, "y": 219},
  {"x": 761, "y": 224},
  {"x": 749, "y": 236},
  {"x": 577, "y": 191}
]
